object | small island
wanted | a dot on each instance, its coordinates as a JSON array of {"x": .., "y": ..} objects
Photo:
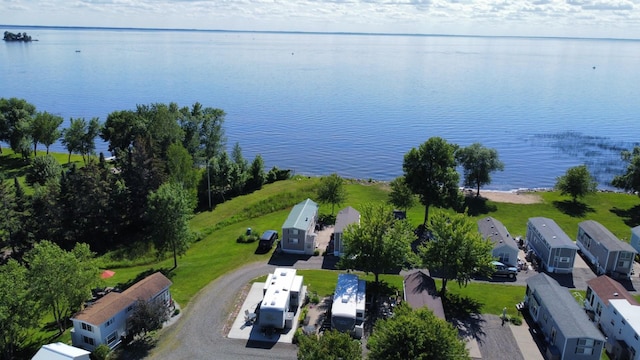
[{"x": 9, "y": 36}]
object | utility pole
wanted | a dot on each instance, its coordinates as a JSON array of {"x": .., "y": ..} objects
[{"x": 209, "y": 184}]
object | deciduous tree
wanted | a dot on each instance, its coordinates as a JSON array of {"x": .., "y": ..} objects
[
  {"x": 18, "y": 312},
  {"x": 147, "y": 316},
  {"x": 417, "y": 335},
  {"x": 330, "y": 345},
  {"x": 456, "y": 250},
  {"x": 430, "y": 172},
  {"x": 630, "y": 180},
  {"x": 44, "y": 129},
  {"x": 72, "y": 137},
  {"x": 61, "y": 281},
  {"x": 478, "y": 162},
  {"x": 577, "y": 182},
  {"x": 169, "y": 210},
  {"x": 379, "y": 243},
  {"x": 15, "y": 118},
  {"x": 331, "y": 190},
  {"x": 401, "y": 195}
]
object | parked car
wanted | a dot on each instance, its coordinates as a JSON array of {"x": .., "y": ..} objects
[
  {"x": 267, "y": 239},
  {"x": 504, "y": 270}
]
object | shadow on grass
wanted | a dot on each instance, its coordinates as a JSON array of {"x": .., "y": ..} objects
[
  {"x": 573, "y": 208},
  {"x": 13, "y": 166},
  {"x": 464, "y": 313},
  {"x": 478, "y": 205},
  {"x": 631, "y": 216}
]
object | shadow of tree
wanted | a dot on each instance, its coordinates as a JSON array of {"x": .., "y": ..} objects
[
  {"x": 573, "y": 208},
  {"x": 460, "y": 307},
  {"x": 137, "y": 349},
  {"x": 478, "y": 205},
  {"x": 631, "y": 216}
]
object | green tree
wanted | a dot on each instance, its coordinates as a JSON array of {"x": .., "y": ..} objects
[
  {"x": 169, "y": 210},
  {"x": 630, "y": 180},
  {"x": 147, "y": 316},
  {"x": 72, "y": 137},
  {"x": 212, "y": 136},
  {"x": 181, "y": 170},
  {"x": 257, "y": 176},
  {"x": 18, "y": 312},
  {"x": 88, "y": 146},
  {"x": 378, "y": 244},
  {"x": 331, "y": 190},
  {"x": 416, "y": 335},
  {"x": 456, "y": 250},
  {"x": 162, "y": 128},
  {"x": 401, "y": 195},
  {"x": 61, "y": 280},
  {"x": 240, "y": 171},
  {"x": 42, "y": 169},
  {"x": 45, "y": 129},
  {"x": 430, "y": 172},
  {"x": 330, "y": 345},
  {"x": 9, "y": 219},
  {"x": 576, "y": 182},
  {"x": 478, "y": 162},
  {"x": 121, "y": 129},
  {"x": 15, "y": 119}
]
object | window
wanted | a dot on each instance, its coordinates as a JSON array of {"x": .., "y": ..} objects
[
  {"x": 112, "y": 338},
  {"x": 88, "y": 340},
  {"x": 87, "y": 327},
  {"x": 552, "y": 341},
  {"x": 585, "y": 346},
  {"x": 565, "y": 259},
  {"x": 545, "y": 317},
  {"x": 293, "y": 231},
  {"x": 109, "y": 322},
  {"x": 293, "y": 240},
  {"x": 130, "y": 308},
  {"x": 623, "y": 264},
  {"x": 625, "y": 255},
  {"x": 635, "y": 336}
]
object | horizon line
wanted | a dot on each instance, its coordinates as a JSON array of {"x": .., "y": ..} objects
[{"x": 300, "y": 32}]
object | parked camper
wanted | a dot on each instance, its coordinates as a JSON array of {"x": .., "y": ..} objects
[
  {"x": 348, "y": 308},
  {"x": 282, "y": 293}
]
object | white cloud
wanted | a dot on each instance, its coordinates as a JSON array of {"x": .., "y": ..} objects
[{"x": 598, "y": 18}]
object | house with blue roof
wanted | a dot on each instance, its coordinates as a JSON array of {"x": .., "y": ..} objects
[
  {"x": 568, "y": 333},
  {"x": 298, "y": 231}
]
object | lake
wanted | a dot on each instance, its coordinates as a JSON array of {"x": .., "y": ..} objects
[{"x": 354, "y": 103}]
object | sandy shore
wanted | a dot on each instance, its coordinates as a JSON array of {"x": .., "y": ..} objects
[{"x": 513, "y": 197}]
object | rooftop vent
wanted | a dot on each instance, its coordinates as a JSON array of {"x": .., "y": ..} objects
[{"x": 615, "y": 294}]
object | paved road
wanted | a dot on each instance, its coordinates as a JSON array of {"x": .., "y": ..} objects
[{"x": 200, "y": 335}]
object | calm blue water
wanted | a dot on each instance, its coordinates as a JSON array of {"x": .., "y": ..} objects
[{"x": 354, "y": 104}]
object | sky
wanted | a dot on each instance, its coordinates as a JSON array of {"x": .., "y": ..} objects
[{"x": 562, "y": 18}]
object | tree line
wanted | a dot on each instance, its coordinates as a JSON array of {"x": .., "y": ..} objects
[{"x": 167, "y": 161}]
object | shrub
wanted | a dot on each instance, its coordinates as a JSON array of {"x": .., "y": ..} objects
[
  {"x": 316, "y": 252},
  {"x": 248, "y": 239},
  {"x": 516, "y": 320},
  {"x": 314, "y": 298},
  {"x": 43, "y": 169},
  {"x": 101, "y": 352},
  {"x": 176, "y": 312}
]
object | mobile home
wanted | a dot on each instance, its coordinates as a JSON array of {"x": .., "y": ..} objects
[
  {"x": 505, "y": 248},
  {"x": 552, "y": 245},
  {"x": 348, "y": 308},
  {"x": 282, "y": 294},
  {"x": 604, "y": 250},
  {"x": 345, "y": 217},
  {"x": 298, "y": 231}
]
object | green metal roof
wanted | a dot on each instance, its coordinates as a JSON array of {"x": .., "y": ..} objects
[{"x": 300, "y": 215}]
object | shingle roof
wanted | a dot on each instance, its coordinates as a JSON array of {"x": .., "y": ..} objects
[
  {"x": 111, "y": 304},
  {"x": 493, "y": 230},
  {"x": 420, "y": 291},
  {"x": 608, "y": 289},
  {"x": 570, "y": 318},
  {"x": 300, "y": 215},
  {"x": 600, "y": 233},
  {"x": 552, "y": 233},
  {"x": 345, "y": 217}
]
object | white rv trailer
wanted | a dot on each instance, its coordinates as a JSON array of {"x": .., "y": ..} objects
[
  {"x": 282, "y": 293},
  {"x": 348, "y": 308}
]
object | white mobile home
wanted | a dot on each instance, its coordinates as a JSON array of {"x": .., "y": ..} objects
[
  {"x": 298, "y": 231},
  {"x": 604, "y": 250},
  {"x": 505, "y": 248},
  {"x": 345, "y": 217},
  {"x": 552, "y": 245},
  {"x": 348, "y": 308},
  {"x": 282, "y": 294},
  {"x": 61, "y": 351}
]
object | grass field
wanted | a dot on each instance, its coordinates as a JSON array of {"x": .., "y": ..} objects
[{"x": 217, "y": 252}]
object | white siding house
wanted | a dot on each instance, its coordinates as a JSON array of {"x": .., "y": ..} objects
[
  {"x": 617, "y": 313},
  {"x": 345, "y": 217},
  {"x": 298, "y": 231},
  {"x": 553, "y": 247},
  {"x": 105, "y": 321},
  {"x": 604, "y": 250},
  {"x": 505, "y": 248},
  {"x": 348, "y": 307}
]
